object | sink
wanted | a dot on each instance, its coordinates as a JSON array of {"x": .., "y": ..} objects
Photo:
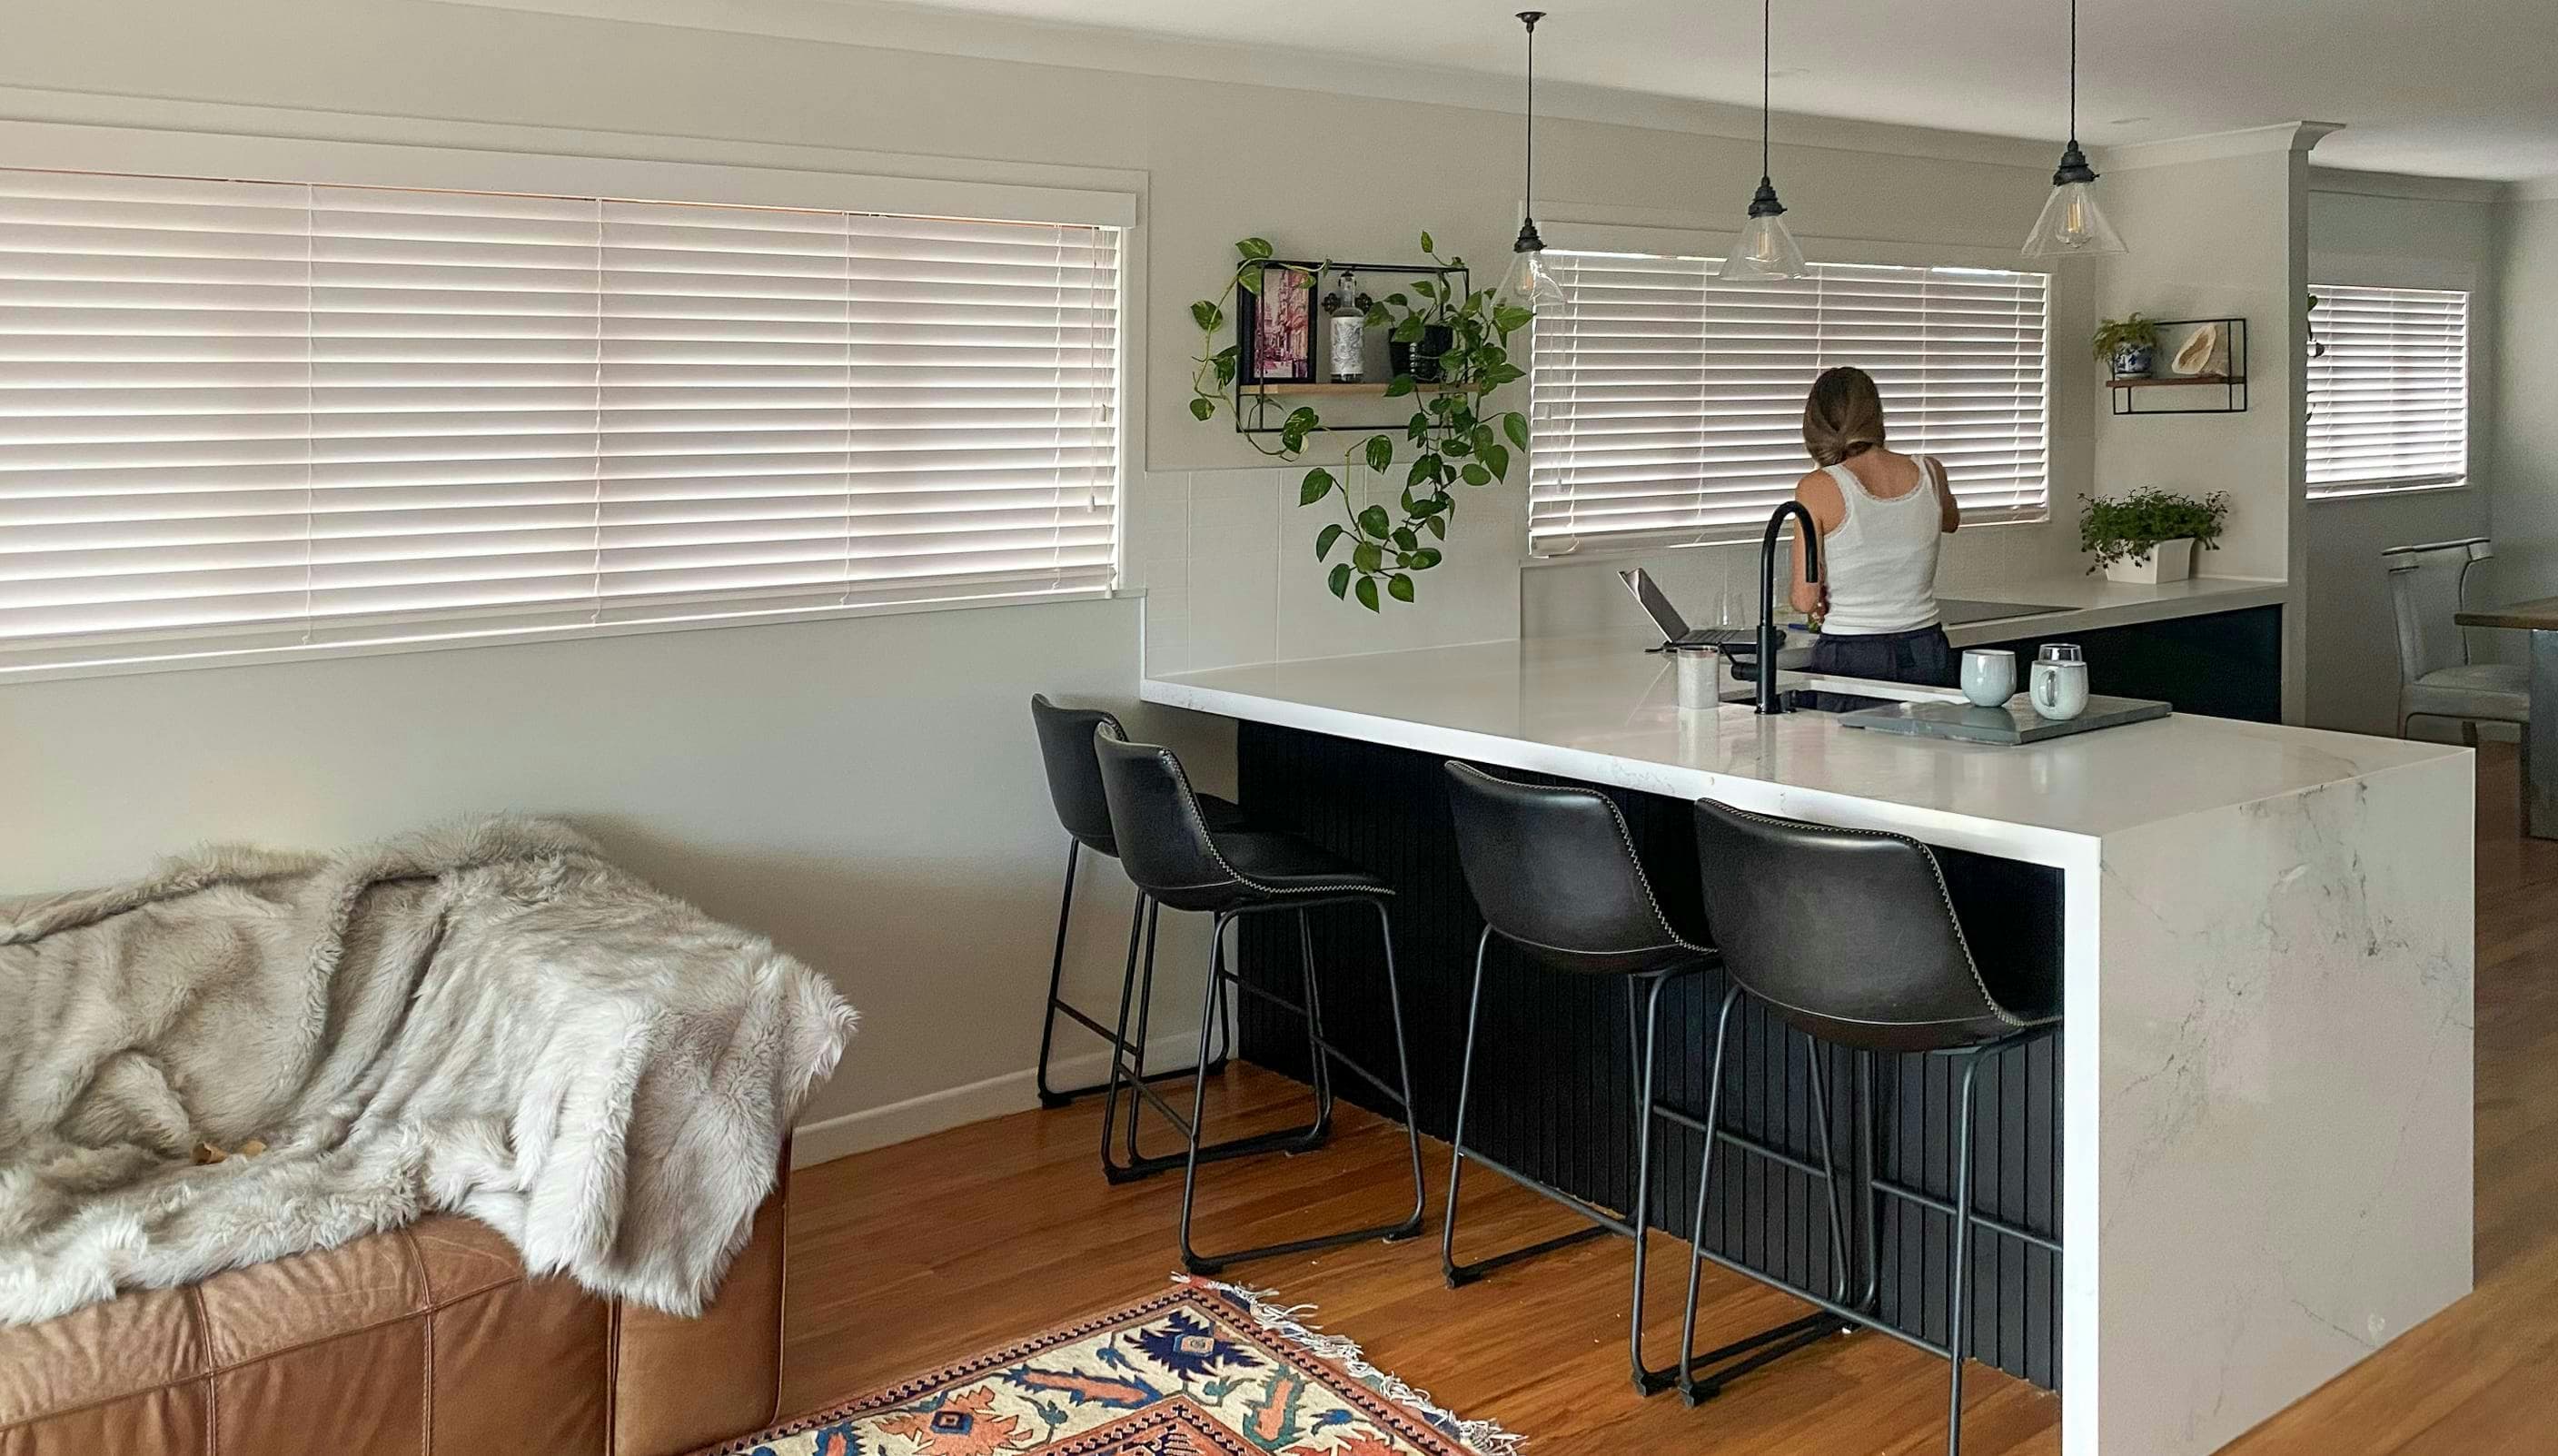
[{"x": 1816, "y": 700}]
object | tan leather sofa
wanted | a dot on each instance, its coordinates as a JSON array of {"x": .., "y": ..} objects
[{"x": 429, "y": 1340}]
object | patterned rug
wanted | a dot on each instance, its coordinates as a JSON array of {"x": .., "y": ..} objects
[{"x": 1203, "y": 1369}]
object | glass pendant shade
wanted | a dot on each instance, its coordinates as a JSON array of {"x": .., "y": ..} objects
[
  {"x": 2072, "y": 226},
  {"x": 1767, "y": 252},
  {"x": 1530, "y": 284}
]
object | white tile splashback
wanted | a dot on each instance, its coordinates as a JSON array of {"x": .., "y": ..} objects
[{"x": 1228, "y": 561}]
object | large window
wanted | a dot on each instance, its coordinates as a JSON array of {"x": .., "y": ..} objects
[
  {"x": 1669, "y": 406},
  {"x": 2389, "y": 400},
  {"x": 248, "y": 415}
]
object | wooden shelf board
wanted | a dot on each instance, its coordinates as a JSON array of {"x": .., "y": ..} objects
[
  {"x": 1364, "y": 386},
  {"x": 2152, "y": 384}
]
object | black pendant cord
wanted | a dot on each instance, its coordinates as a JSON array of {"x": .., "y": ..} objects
[
  {"x": 2073, "y": 162},
  {"x": 1528, "y": 241},
  {"x": 1764, "y": 203}
]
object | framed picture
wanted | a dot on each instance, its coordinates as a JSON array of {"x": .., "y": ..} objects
[{"x": 1277, "y": 327}]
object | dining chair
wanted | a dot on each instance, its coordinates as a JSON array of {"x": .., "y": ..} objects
[{"x": 2435, "y": 678}]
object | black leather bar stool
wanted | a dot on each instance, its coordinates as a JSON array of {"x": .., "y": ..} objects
[
  {"x": 1850, "y": 936},
  {"x": 1075, "y": 788},
  {"x": 1184, "y": 862},
  {"x": 1554, "y": 872}
]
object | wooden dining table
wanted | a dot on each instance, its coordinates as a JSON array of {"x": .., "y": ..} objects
[{"x": 2539, "y": 618}]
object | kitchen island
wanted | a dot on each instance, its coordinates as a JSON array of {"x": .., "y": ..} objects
[{"x": 2254, "y": 1142}]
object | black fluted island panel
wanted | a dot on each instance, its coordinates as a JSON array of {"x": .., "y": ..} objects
[{"x": 1555, "y": 1093}]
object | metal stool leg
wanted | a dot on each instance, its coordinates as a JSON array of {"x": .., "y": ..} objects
[
  {"x": 1200, "y": 1152},
  {"x": 1958, "y": 1311},
  {"x": 1448, "y": 1267},
  {"x": 1056, "y": 982},
  {"x": 1739, "y": 1357},
  {"x": 1648, "y": 1381},
  {"x": 1140, "y": 1165}
]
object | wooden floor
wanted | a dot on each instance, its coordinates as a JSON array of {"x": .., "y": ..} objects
[{"x": 936, "y": 1248}]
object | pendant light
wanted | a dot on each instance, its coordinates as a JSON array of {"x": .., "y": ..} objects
[
  {"x": 1530, "y": 284},
  {"x": 2072, "y": 225},
  {"x": 1766, "y": 251}
]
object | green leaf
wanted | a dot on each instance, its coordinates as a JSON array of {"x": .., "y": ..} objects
[
  {"x": 1224, "y": 371},
  {"x": 1476, "y": 475},
  {"x": 1438, "y": 526},
  {"x": 1424, "y": 469},
  {"x": 1376, "y": 316},
  {"x": 1302, "y": 419},
  {"x": 1368, "y": 556},
  {"x": 1204, "y": 314},
  {"x": 1429, "y": 505},
  {"x": 1425, "y": 241},
  {"x": 1367, "y": 592},
  {"x": 1317, "y": 485},
  {"x": 1511, "y": 319},
  {"x": 1498, "y": 461},
  {"x": 1426, "y": 557},
  {"x": 1381, "y": 453},
  {"x": 1409, "y": 331},
  {"x": 1426, "y": 288},
  {"x": 1456, "y": 445},
  {"x": 1375, "y": 522},
  {"x": 1514, "y": 425},
  {"x": 1406, "y": 541},
  {"x": 1255, "y": 248},
  {"x": 1324, "y": 541},
  {"x": 1499, "y": 375},
  {"x": 1400, "y": 385},
  {"x": 1399, "y": 587},
  {"x": 1339, "y": 580},
  {"x": 1203, "y": 407},
  {"x": 1249, "y": 280}
]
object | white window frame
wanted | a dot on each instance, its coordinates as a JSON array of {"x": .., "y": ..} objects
[
  {"x": 1674, "y": 233},
  {"x": 935, "y": 187},
  {"x": 2393, "y": 277}
]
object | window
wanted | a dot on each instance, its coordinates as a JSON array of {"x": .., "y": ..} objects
[
  {"x": 2389, "y": 401},
  {"x": 246, "y": 415},
  {"x": 1669, "y": 407}
]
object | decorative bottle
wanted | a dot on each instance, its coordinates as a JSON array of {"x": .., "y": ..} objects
[{"x": 1346, "y": 323}]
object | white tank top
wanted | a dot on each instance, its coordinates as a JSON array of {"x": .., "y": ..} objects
[{"x": 1882, "y": 559}]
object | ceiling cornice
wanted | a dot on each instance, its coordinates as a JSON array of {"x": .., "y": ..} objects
[
  {"x": 2405, "y": 185},
  {"x": 2287, "y": 136},
  {"x": 875, "y": 24}
]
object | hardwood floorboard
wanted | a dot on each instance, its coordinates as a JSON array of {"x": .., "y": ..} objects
[{"x": 934, "y": 1249}]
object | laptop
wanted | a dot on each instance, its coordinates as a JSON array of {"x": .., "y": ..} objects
[{"x": 1676, "y": 632}]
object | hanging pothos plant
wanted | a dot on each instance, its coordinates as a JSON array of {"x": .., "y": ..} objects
[{"x": 1451, "y": 440}]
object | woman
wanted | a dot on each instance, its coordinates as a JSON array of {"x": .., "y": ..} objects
[{"x": 1880, "y": 515}]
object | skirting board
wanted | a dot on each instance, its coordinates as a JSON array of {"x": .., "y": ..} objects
[{"x": 996, "y": 1096}]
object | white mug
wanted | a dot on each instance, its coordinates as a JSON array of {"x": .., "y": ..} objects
[
  {"x": 2060, "y": 689},
  {"x": 1989, "y": 675}
]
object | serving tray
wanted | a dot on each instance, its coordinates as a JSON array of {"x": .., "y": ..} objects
[{"x": 2016, "y": 722}]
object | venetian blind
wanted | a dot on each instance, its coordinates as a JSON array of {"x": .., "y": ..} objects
[
  {"x": 241, "y": 415},
  {"x": 1669, "y": 406},
  {"x": 2389, "y": 401}
]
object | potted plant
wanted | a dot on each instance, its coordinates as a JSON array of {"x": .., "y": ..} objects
[
  {"x": 2151, "y": 536},
  {"x": 2128, "y": 347},
  {"x": 1450, "y": 350}
]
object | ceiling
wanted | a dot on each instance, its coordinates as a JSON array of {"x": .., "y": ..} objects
[{"x": 2456, "y": 89}]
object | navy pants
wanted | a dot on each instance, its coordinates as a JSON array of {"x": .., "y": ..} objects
[{"x": 1922, "y": 658}]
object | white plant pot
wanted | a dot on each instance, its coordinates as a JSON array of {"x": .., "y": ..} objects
[{"x": 2165, "y": 561}]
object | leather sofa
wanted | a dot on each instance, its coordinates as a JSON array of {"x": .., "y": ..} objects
[{"x": 427, "y": 1341}]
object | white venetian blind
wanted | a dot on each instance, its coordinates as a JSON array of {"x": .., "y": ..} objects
[
  {"x": 1669, "y": 406},
  {"x": 246, "y": 415},
  {"x": 2389, "y": 401}
]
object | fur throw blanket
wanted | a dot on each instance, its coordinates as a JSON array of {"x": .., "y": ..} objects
[{"x": 486, "y": 1019}]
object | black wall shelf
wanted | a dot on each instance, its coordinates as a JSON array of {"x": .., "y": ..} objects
[
  {"x": 2143, "y": 394},
  {"x": 1262, "y": 406}
]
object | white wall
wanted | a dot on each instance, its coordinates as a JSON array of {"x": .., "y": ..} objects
[
  {"x": 2377, "y": 230},
  {"x": 863, "y": 790},
  {"x": 2523, "y": 508},
  {"x": 2218, "y": 229}
]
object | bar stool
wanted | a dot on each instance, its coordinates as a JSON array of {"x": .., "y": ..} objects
[
  {"x": 1554, "y": 872},
  {"x": 1850, "y": 936},
  {"x": 1182, "y": 861},
  {"x": 1075, "y": 788}
]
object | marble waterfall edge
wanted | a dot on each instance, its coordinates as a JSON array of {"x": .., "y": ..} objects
[{"x": 2284, "y": 1026}]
